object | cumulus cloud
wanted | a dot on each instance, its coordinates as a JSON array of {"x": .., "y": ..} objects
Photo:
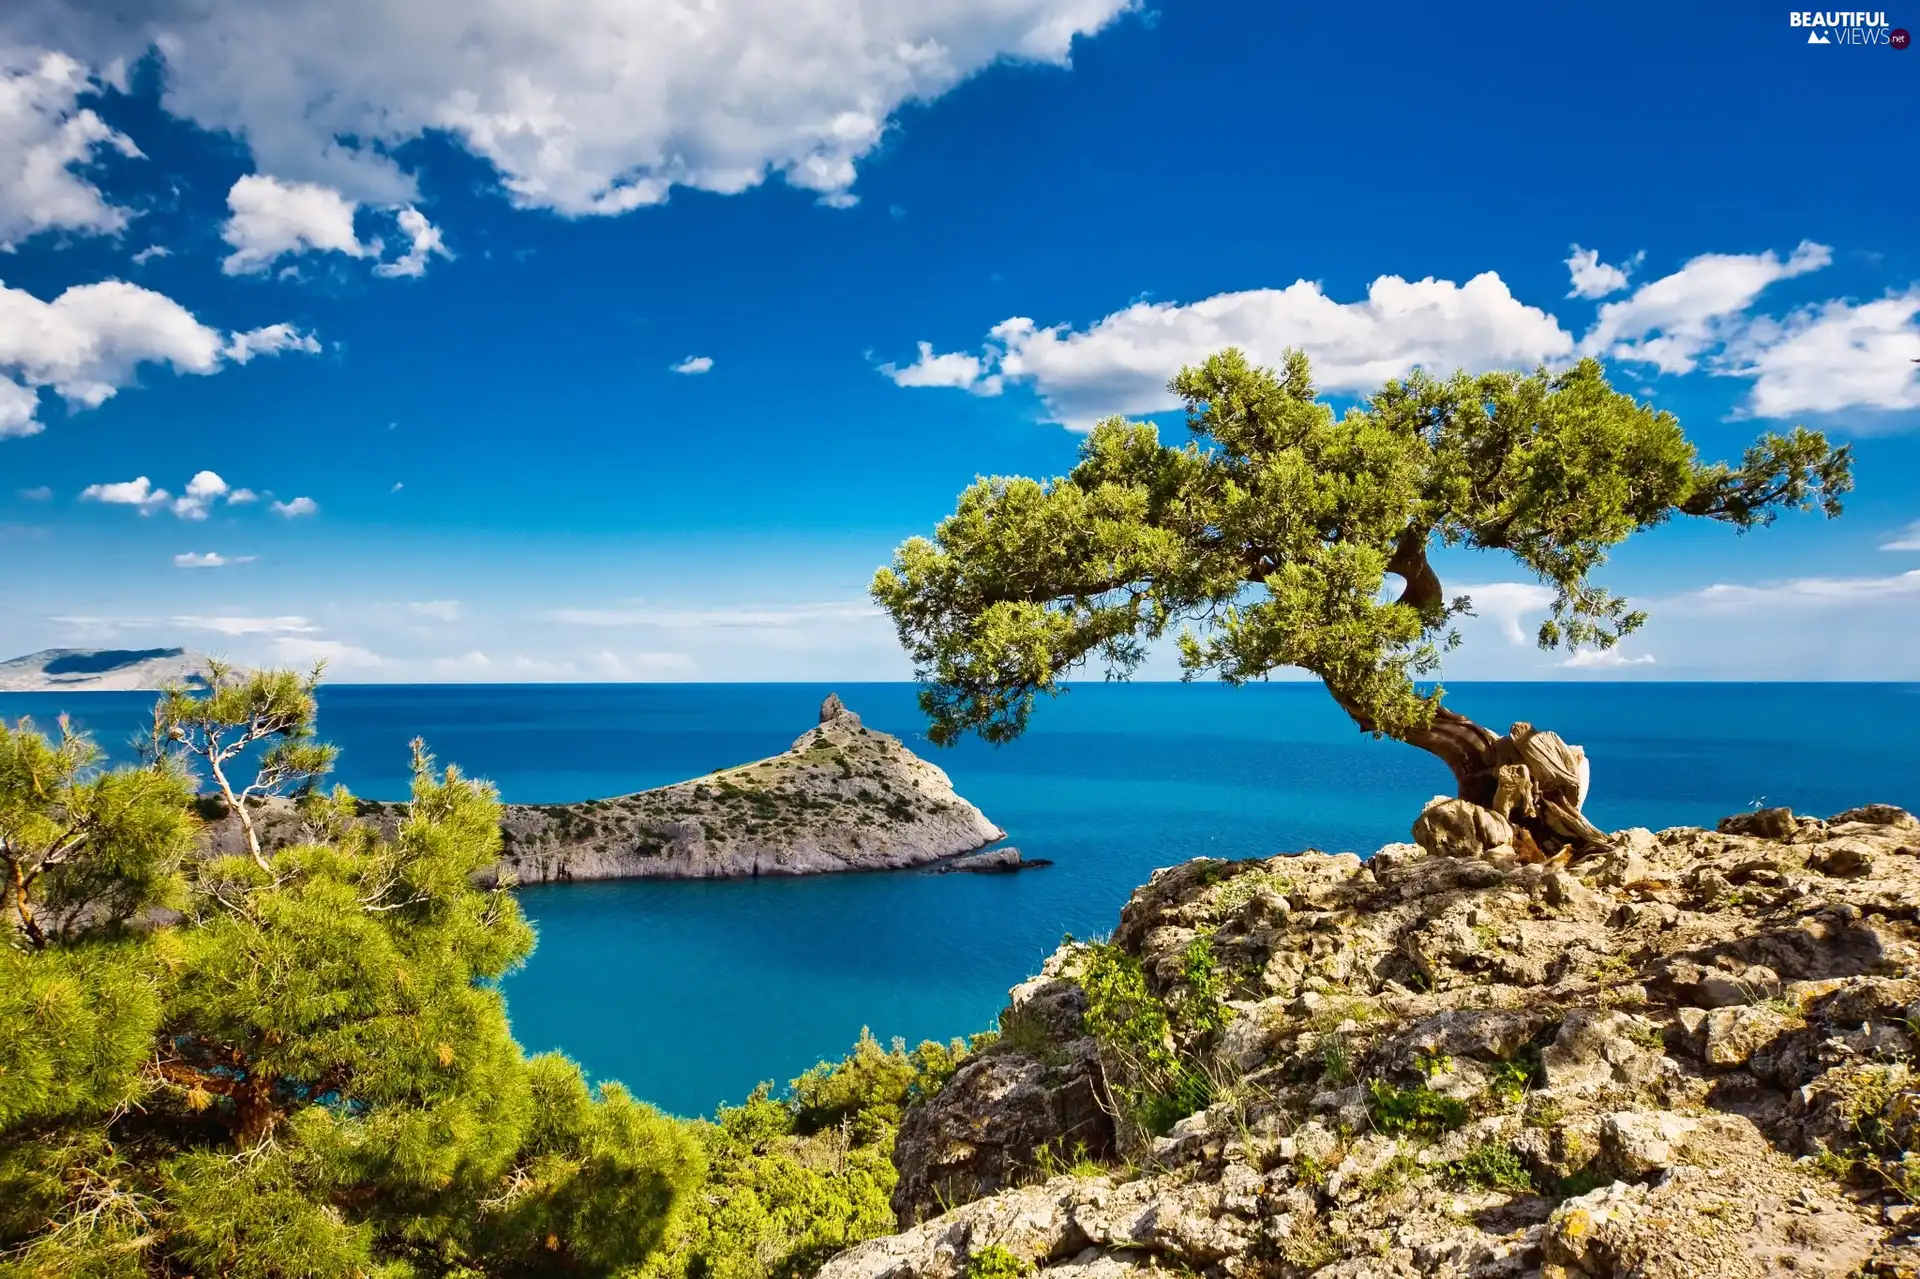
[
  {"x": 1907, "y": 539},
  {"x": 423, "y": 242},
  {"x": 271, "y": 339},
  {"x": 1123, "y": 362},
  {"x": 295, "y": 508},
  {"x": 138, "y": 492},
  {"x": 694, "y": 364},
  {"x": 955, "y": 369},
  {"x": 1670, "y": 322},
  {"x": 581, "y": 106},
  {"x": 1604, "y": 659},
  {"x": 270, "y": 218},
  {"x": 202, "y": 490},
  {"x": 209, "y": 559},
  {"x": 1593, "y": 278},
  {"x": 89, "y": 342},
  {"x": 1507, "y": 605},
  {"x": 1834, "y": 356},
  {"x": 46, "y": 140},
  {"x": 151, "y": 252}
]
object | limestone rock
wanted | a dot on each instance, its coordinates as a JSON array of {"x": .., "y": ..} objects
[
  {"x": 1762, "y": 823},
  {"x": 1405, "y": 1067},
  {"x": 1460, "y": 828}
]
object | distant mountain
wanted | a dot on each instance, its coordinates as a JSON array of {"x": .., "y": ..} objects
[{"x": 101, "y": 669}]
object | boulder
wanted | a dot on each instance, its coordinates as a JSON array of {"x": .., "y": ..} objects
[{"x": 1460, "y": 828}]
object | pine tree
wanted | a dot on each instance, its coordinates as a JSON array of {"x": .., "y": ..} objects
[{"x": 292, "y": 1062}]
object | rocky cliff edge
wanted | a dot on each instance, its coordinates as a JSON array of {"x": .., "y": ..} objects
[{"x": 1691, "y": 1055}]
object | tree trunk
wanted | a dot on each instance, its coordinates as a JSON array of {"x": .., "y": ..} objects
[{"x": 1491, "y": 771}]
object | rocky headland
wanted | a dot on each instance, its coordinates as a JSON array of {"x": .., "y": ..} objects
[
  {"x": 844, "y": 797},
  {"x": 102, "y": 670},
  {"x": 1685, "y": 1053}
]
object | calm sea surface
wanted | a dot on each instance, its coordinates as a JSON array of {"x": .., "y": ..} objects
[{"x": 692, "y": 992}]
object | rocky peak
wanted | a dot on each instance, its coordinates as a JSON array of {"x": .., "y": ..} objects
[
  {"x": 832, "y": 708},
  {"x": 1689, "y": 1053}
]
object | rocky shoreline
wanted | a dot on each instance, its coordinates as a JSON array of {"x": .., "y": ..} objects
[{"x": 1688, "y": 1055}]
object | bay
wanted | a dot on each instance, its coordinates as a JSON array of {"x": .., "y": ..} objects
[{"x": 690, "y": 993}]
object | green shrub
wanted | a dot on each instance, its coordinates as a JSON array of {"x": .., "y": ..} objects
[
  {"x": 995, "y": 1262},
  {"x": 1418, "y": 1110},
  {"x": 1493, "y": 1165}
]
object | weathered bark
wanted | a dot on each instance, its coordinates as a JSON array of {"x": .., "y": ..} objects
[{"x": 1502, "y": 774}]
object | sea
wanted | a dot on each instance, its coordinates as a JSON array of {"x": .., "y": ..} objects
[{"x": 691, "y": 993}]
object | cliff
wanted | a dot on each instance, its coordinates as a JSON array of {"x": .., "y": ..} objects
[
  {"x": 101, "y": 670},
  {"x": 1689, "y": 1055}
]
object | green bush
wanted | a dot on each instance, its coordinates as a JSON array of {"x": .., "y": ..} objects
[
  {"x": 1418, "y": 1110},
  {"x": 1158, "y": 1086},
  {"x": 995, "y": 1262}
]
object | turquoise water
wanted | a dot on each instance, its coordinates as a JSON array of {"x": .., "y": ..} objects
[{"x": 692, "y": 992}]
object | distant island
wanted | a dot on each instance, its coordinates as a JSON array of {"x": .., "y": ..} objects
[
  {"x": 102, "y": 670},
  {"x": 843, "y": 797}
]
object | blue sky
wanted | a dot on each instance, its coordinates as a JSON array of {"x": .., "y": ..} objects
[{"x": 432, "y": 268}]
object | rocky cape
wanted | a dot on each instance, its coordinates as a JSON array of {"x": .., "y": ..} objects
[
  {"x": 1689, "y": 1054},
  {"x": 102, "y": 670},
  {"x": 844, "y": 797}
]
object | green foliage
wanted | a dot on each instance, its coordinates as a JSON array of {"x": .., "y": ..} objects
[
  {"x": 1205, "y": 987},
  {"x": 1512, "y": 1080},
  {"x": 792, "y": 1182},
  {"x": 1159, "y": 1086},
  {"x": 82, "y": 852},
  {"x": 309, "y": 1072},
  {"x": 1278, "y": 524},
  {"x": 1493, "y": 1165},
  {"x": 995, "y": 1262},
  {"x": 1418, "y": 1110}
]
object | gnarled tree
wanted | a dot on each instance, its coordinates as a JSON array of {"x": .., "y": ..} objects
[{"x": 1274, "y": 531}]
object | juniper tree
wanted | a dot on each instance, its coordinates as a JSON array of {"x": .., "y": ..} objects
[
  {"x": 1271, "y": 534},
  {"x": 304, "y": 1068}
]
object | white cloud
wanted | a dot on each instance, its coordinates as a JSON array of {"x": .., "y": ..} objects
[
  {"x": 38, "y": 493},
  {"x": 137, "y": 492},
  {"x": 89, "y": 342},
  {"x": 1907, "y": 539},
  {"x": 296, "y": 508},
  {"x": 202, "y": 490},
  {"x": 46, "y": 139},
  {"x": 1803, "y": 593},
  {"x": 270, "y": 339},
  {"x": 1604, "y": 659},
  {"x": 272, "y": 218},
  {"x": 581, "y": 106},
  {"x": 1670, "y": 322},
  {"x": 694, "y": 364},
  {"x": 1122, "y": 363},
  {"x": 209, "y": 559},
  {"x": 1507, "y": 605},
  {"x": 439, "y": 610},
  {"x": 423, "y": 240},
  {"x": 1593, "y": 278},
  {"x": 151, "y": 252},
  {"x": 956, "y": 369},
  {"x": 335, "y": 653},
  {"x": 245, "y": 625},
  {"x": 240, "y": 497},
  {"x": 1833, "y": 356}
]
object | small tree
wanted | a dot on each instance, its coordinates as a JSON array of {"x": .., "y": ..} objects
[
  {"x": 301, "y": 1071},
  {"x": 238, "y": 711},
  {"x": 1276, "y": 528}
]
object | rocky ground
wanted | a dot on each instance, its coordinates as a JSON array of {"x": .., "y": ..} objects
[{"x": 1688, "y": 1054}]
